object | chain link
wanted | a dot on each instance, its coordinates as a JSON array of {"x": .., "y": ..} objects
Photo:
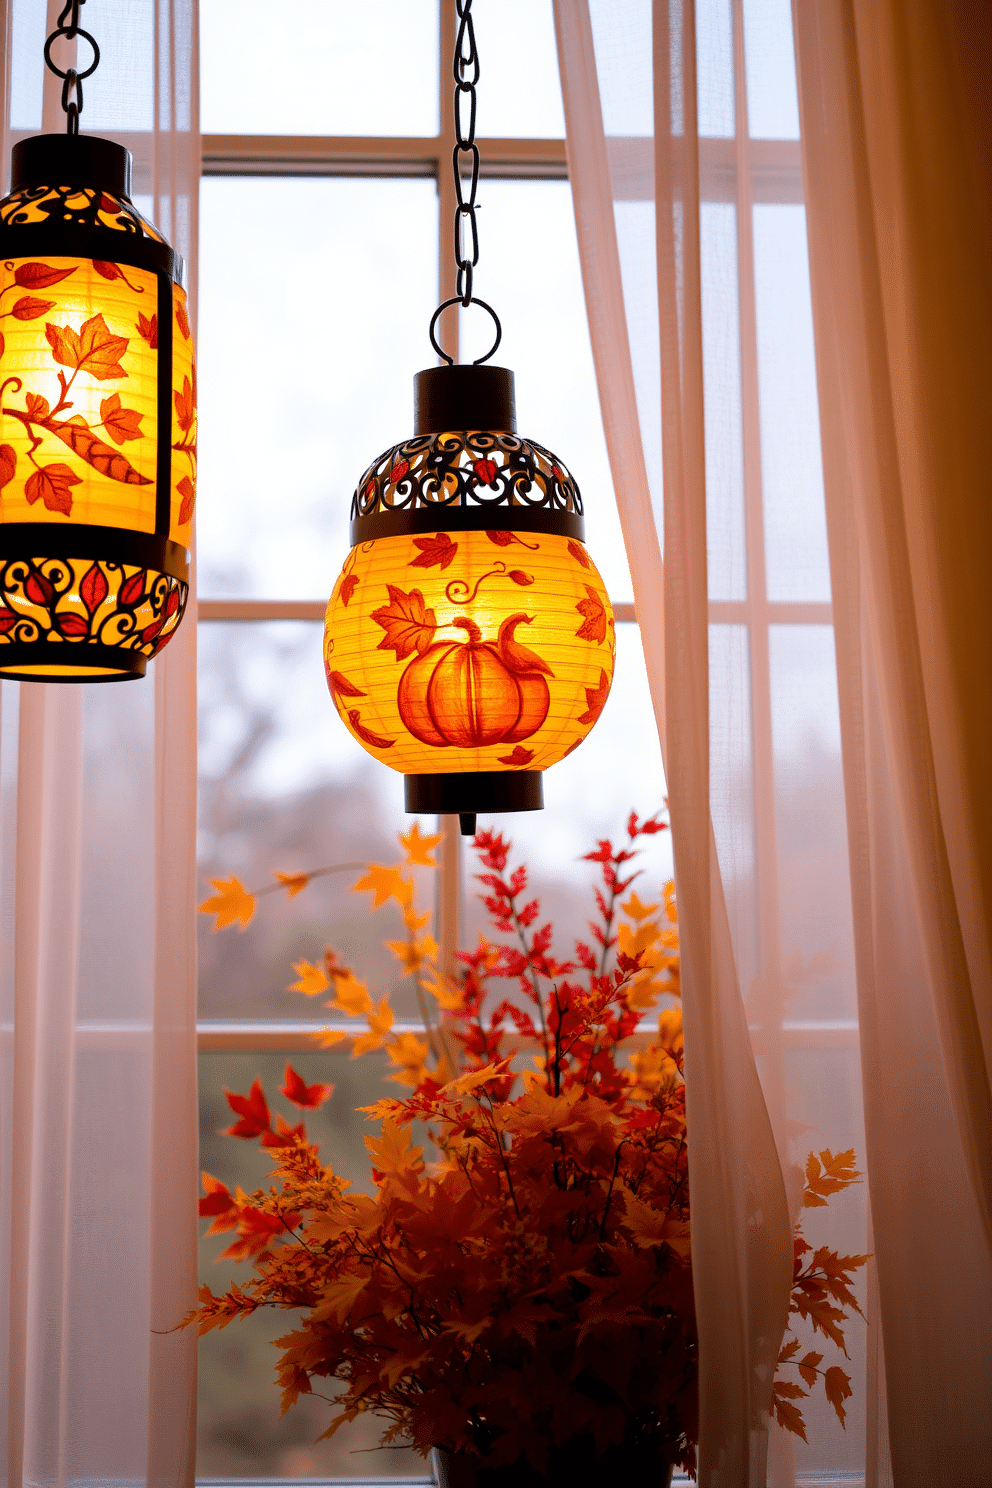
[
  {"x": 72, "y": 79},
  {"x": 465, "y": 68}
]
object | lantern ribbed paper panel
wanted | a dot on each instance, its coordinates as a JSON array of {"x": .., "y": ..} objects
[
  {"x": 97, "y": 420},
  {"x": 469, "y": 641},
  {"x": 462, "y": 651}
]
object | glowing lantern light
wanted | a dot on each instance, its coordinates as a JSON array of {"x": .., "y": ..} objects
[
  {"x": 469, "y": 641},
  {"x": 97, "y": 418}
]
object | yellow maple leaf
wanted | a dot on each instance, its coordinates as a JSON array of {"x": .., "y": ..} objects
[
  {"x": 350, "y": 995},
  {"x": 465, "y": 1084},
  {"x": 409, "y": 1053},
  {"x": 294, "y": 882},
  {"x": 418, "y": 848},
  {"x": 393, "y": 1151},
  {"x": 380, "y": 1022},
  {"x": 328, "y": 1037},
  {"x": 445, "y": 991},
  {"x": 231, "y": 902},
  {"x": 414, "y": 921},
  {"x": 635, "y": 910},
  {"x": 312, "y": 979},
  {"x": 386, "y": 883},
  {"x": 413, "y": 953}
]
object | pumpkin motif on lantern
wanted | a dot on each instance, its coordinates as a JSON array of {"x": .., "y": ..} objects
[{"x": 424, "y": 648}]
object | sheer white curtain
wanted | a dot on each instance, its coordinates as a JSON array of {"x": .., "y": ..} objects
[
  {"x": 775, "y": 628},
  {"x": 843, "y": 626},
  {"x": 98, "y": 1116}
]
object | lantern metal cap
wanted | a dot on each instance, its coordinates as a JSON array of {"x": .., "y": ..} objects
[
  {"x": 71, "y": 160},
  {"x": 469, "y": 397}
]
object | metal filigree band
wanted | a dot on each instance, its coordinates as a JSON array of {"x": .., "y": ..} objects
[{"x": 473, "y": 480}]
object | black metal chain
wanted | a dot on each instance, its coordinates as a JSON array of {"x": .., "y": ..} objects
[
  {"x": 72, "y": 78},
  {"x": 465, "y": 68}
]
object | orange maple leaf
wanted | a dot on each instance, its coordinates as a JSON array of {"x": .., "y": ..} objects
[
  {"x": 593, "y": 627},
  {"x": 295, "y": 883},
  {"x": 419, "y": 848},
  {"x": 385, "y": 883},
  {"x": 393, "y": 1151},
  {"x": 838, "y": 1387},
  {"x": 51, "y": 486},
  {"x": 786, "y": 1414},
  {"x": 90, "y": 349},
  {"x": 148, "y": 330},
  {"x": 231, "y": 902},
  {"x": 435, "y": 552},
  {"x": 120, "y": 423},
  {"x": 185, "y": 406},
  {"x": 380, "y": 1020},
  {"x": 519, "y": 757},
  {"x": 348, "y": 587},
  {"x": 187, "y": 491},
  {"x": 312, "y": 979},
  {"x": 307, "y": 1097},
  {"x": 595, "y": 700},
  {"x": 409, "y": 626}
]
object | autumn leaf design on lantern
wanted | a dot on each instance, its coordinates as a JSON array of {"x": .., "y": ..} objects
[
  {"x": 97, "y": 420},
  {"x": 469, "y": 640}
]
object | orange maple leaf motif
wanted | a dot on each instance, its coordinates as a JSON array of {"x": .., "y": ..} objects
[
  {"x": 185, "y": 406},
  {"x": 519, "y": 757},
  {"x": 348, "y": 586},
  {"x": 91, "y": 349},
  {"x": 50, "y": 485},
  {"x": 593, "y": 627},
  {"x": 435, "y": 552},
  {"x": 307, "y": 1097},
  {"x": 8, "y": 464},
  {"x": 187, "y": 491},
  {"x": 367, "y": 736},
  {"x": 595, "y": 699},
  {"x": 408, "y": 624},
  {"x": 120, "y": 423},
  {"x": 148, "y": 330}
]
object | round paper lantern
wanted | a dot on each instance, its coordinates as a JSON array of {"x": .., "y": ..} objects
[
  {"x": 97, "y": 420},
  {"x": 469, "y": 640}
]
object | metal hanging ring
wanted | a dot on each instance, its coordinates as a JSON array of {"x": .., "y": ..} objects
[
  {"x": 68, "y": 35},
  {"x": 457, "y": 300}
]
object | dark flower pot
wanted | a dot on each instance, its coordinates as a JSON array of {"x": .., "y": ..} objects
[{"x": 574, "y": 1465}]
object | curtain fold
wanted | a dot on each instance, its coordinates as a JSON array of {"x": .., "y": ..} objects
[
  {"x": 741, "y": 1245},
  {"x": 827, "y": 712},
  {"x": 98, "y": 1141},
  {"x": 894, "y": 147}
]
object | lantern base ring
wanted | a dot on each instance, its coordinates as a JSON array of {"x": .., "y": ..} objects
[{"x": 474, "y": 791}]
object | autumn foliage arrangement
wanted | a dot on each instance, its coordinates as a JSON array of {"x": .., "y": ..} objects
[{"x": 527, "y": 1293}]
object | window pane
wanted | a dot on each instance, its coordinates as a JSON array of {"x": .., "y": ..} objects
[
  {"x": 772, "y": 102},
  {"x": 529, "y": 272},
  {"x": 715, "y": 69},
  {"x": 283, "y": 786},
  {"x": 240, "y": 1433},
  {"x": 519, "y": 91},
  {"x": 796, "y": 557},
  {"x": 340, "y": 68},
  {"x": 725, "y": 537},
  {"x": 315, "y": 300}
]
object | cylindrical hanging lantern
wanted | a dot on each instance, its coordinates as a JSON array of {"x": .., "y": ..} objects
[
  {"x": 469, "y": 640},
  {"x": 97, "y": 420}
]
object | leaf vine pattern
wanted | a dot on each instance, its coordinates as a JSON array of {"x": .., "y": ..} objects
[
  {"x": 92, "y": 350},
  {"x": 77, "y": 599},
  {"x": 184, "y": 402}
]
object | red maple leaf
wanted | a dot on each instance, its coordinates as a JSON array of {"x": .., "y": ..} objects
[
  {"x": 307, "y": 1097},
  {"x": 595, "y": 699},
  {"x": 252, "y": 1109},
  {"x": 437, "y": 551}
]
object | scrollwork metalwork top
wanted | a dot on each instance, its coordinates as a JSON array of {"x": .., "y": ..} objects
[
  {"x": 74, "y": 206},
  {"x": 457, "y": 470}
]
